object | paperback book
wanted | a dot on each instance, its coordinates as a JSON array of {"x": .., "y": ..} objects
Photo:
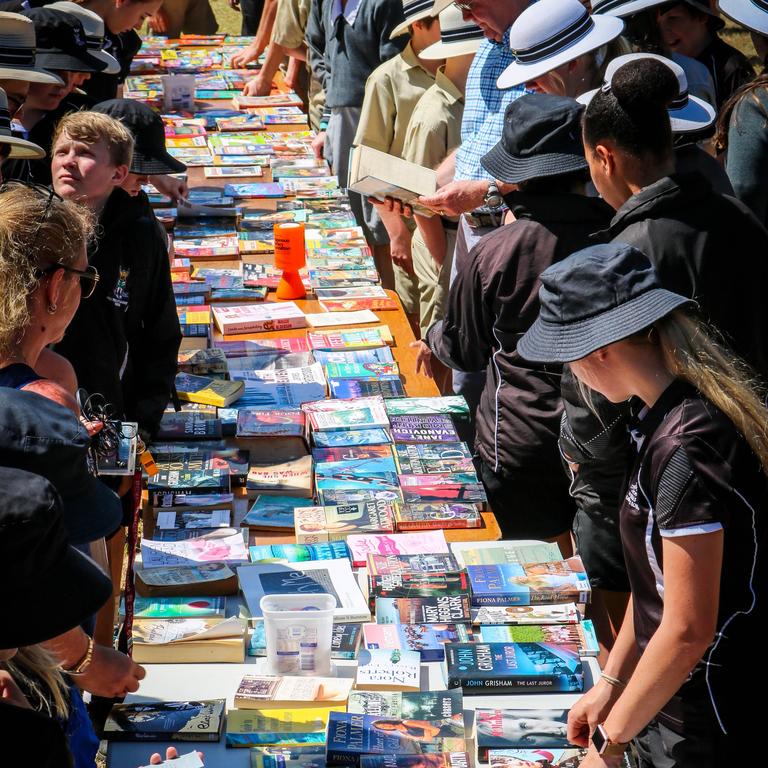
[
  {"x": 432, "y": 516},
  {"x": 521, "y": 729},
  {"x": 436, "y": 760},
  {"x": 564, "y": 613},
  {"x": 380, "y": 669},
  {"x": 319, "y": 524},
  {"x": 425, "y": 705},
  {"x": 524, "y": 758},
  {"x": 248, "y": 728},
  {"x": 224, "y": 545},
  {"x": 166, "y": 721},
  {"x": 478, "y": 668},
  {"x": 178, "y": 607},
  {"x": 428, "y": 640},
  {"x": 274, "y": 513},
  {"x": 501, "y": 552},
  {"x": 287, "y": 478},
  {"x": 264, "y": 692},
  {"x": 252, "y": 318},
  {"x": 298, "y": 553},
  {"x": 581, "y": 634},
  {"x": 349, "y": 389},
  {"x": 351, "y": 437},
  {"x": 186, "y": 580},
  {"x": 203, "y": 389},
  {"x": 423, "y": 429},
  {"x": 423, "y": 543},
  {"x": 448, "y": 609}
]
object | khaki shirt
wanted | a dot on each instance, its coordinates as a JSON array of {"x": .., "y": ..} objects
[
  {"x": 290, "y": 22},
  {"x": 435, "y": 127},
  {"x": 391, "y": 93}
]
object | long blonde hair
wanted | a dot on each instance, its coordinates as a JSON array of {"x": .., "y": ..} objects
[
  {"x": 36, "y": 231},
  {"x": 692, "y": 354},
  {"x": 38, "y": 672}
]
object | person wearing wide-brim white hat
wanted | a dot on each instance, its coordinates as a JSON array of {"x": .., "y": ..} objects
[
  {"x": 552, "y": 33},
  {"x": 12, "y": 146},
  {"x": 413, "y": 10},
  {"x": 687, "y": 114},
  {"x": 434, "y": 131},
  {"x": 17, "y": 60},
  {"x": 93, "y": 26},
  {"x": 457, "y": 36}
]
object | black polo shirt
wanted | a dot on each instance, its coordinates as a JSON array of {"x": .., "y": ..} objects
[{"x": 695, "y": 475}]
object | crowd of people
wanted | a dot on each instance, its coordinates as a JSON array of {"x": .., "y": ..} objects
[{"x": 590, "y": 279}]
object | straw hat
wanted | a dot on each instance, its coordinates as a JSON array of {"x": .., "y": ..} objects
[
  {"x": 551, "y": 33},
  {"x": 414, "y": 10},
  {"x": 20, "y": 148},
  {"x": 17, "y": 51},
  {"x": 752, "y": 14},
  {"x": 457, "y": 37}
]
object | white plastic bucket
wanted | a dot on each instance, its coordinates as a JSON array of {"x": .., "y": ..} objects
[{"x": 298, "y": 631}]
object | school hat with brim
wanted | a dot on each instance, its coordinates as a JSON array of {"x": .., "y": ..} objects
[
  {"x": 687, "y": 113},
  {"x": 43, "y": 437},
  {"x": 595, "y": 297},
  {"x": 541, "y": 137},
  {"x": 624, "y": 8},
  {"x": 413, "y": 10},
  {"x": 150, "y": 157},
  {"x": 20, "y": 148},
  {"x": 551, "y": 33},
  {"x": 93, "y": 26},
  {"x": 47, "y": 587},
  {"x": 17, "y": 51},
  {"x": 752, "y": 14},
  {"x": 457, "y": 37},
  {"x": 61, "y": 43}
]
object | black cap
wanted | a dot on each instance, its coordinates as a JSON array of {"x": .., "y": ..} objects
[
  {"x": 61, "y": 42},
  {"x": 47, "y": 587},
  {"x": 541, "y": 137},
  {"x": 41, "y": 436},
  {"x": 149, "y": 154},
  {"x": 593, "y": 298}
]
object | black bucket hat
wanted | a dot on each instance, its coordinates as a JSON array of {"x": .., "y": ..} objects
[
  {"x": 541, "y": 137},
  {"x": 595, "y": 297},
  {"x": 61, "y": 42},
  {"x": 149, "y": 154},
  {"x": 47, "y": 587},
  {"x": 41, "y": 436}
]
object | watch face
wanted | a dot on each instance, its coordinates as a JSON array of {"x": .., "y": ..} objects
[{"x": 599, "y": 739}]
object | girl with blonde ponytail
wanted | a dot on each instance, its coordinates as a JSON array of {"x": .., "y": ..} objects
[{"x": 693, "y": 522}]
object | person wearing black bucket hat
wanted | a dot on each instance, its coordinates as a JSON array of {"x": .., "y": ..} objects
[
  {"x": 493, "y": 300},
  {"x": 150, "y": 157},
  {"x": 693, "y": 521}
]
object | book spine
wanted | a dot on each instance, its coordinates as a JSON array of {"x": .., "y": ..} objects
[{"x": 481, "y": 686}]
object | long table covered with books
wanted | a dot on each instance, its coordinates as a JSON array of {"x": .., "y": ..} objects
[{"x": 309, "y": 460}]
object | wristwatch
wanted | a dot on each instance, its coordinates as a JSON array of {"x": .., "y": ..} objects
[
  {"x": 493, "y": 198},
  {"x": 604, "y": 746}
]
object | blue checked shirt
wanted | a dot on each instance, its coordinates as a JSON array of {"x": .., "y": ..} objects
[{"x": 484, "y": 107}]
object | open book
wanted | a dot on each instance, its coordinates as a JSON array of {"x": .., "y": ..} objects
[{"x": 376, "y": 174}]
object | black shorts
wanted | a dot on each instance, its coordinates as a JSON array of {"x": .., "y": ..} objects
[{"x": 529, "y": 502}]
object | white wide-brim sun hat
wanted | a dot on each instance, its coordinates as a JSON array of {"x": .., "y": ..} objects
[
  {"x": 414, "y": 10},
  {"x": 622, "y": 8},
  {"x": 457, "y": 37},
  {"x": 551, "y": 33},
  {"x": 20, "y": 148},
  {"x": 687, "y": 113},
  {"x": 17, "y": 51},
  {"x": 752, "y": 14}
]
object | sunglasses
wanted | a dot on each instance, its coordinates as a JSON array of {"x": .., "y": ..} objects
[{"x": 89, "y": 277}]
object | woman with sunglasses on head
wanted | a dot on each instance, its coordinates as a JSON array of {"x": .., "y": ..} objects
[
  {"x": 693, "y": 521},
  {"x": 44, "y": 273}
]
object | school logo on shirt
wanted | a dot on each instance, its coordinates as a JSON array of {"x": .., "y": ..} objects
[
  {"x": 631, "y": 497},
  {"x": 120, "y": 294}
]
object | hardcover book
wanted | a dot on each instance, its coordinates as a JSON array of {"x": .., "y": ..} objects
[
  {"x": 512, "y": 584},
  {"x": 448, "y": 609},
  {"x": 333, "y": 577},
  {"x": 263, "y": 692},
  {"x": 380, "y": 669},
  {"x": 478, "y": 668},
  {"x": 425, "y": 705},
  {"x": 166, "y": 721},
  {"x": 427, "y": 639}
]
